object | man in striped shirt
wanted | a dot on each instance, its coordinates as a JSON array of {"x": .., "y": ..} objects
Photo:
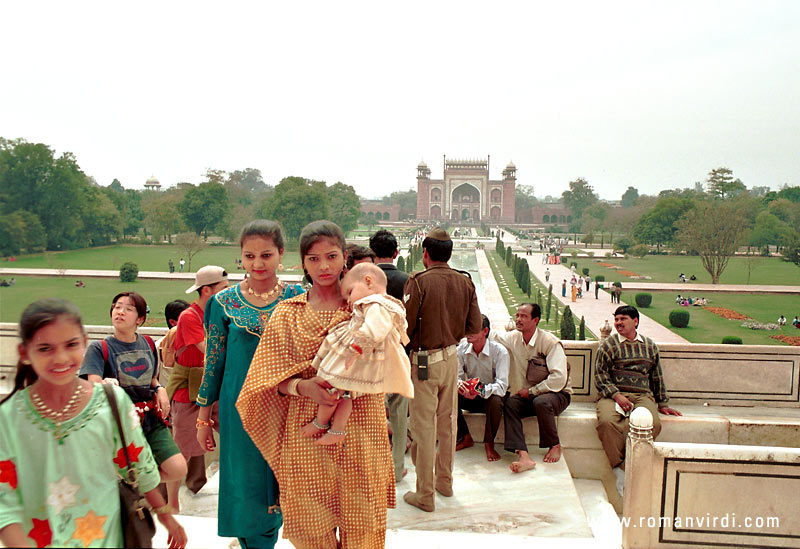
[{"x": 627, "y": 374}]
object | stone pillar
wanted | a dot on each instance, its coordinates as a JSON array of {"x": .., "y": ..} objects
[{"x": 638, "y": 497}]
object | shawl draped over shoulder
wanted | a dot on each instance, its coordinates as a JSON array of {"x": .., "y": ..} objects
[{"x": 349, "y": 485}]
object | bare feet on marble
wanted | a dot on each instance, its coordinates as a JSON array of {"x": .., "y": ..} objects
[
  {"x": 491, "y": 453},
  {"x": 553, "y": 454},
  {"x": 524, "y": 463},
  {"x": 465, "y": 442}
]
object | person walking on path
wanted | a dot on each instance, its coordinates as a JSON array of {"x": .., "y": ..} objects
[
  {"x": 234, "y": 320},
  {"x": 181, "y": 264}
]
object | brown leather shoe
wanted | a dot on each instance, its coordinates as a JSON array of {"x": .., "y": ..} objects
[{"x": 412, "y": 498}]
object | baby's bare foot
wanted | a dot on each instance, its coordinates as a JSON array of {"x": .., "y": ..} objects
[
  {"x": 309, "y": 430},
  {"x": 330, "y": 438}
]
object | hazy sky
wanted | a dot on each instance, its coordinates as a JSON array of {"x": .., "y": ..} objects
[{"x": 647, "y": 94}]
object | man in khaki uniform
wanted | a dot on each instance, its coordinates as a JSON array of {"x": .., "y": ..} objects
[{"x": 441, "y": 308}]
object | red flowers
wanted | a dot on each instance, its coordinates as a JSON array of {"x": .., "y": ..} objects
[
  {"x": 8, "y": 473},
  {"x": 133, "y": 452}
]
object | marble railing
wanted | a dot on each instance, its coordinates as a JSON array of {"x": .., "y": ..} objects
[
  {"x": 9, "y": 341},
  {"x": 717, "y": 375},
  {"x": 684, "y": 495},
  {"x": 720, "y": 375}
]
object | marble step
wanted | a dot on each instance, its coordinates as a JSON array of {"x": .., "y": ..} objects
[{"x": 759, "y": 426}]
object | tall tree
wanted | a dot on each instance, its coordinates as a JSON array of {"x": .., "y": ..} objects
[
  {"x": 579, "y": 197},
  {"x": 295, "y": 203},
  {"x": 713, "y": 230},
  {"x": 770, "y": 230},
  {"x": 162, "y": 212},
  {"x": 629, "y": 197},
  {"x": 205, "y": 208},
  {"x": 659, "y": 225},
  {"x": 721, "y": 183},
  {"x": 345, "y": 207}
]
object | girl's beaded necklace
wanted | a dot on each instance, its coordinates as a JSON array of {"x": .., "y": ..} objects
[
  {"x": 266, "y": 297},
  {"x": 58, "y": 417}
]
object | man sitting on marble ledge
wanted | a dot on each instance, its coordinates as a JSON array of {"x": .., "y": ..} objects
[
  {"x": 539, "y": 384},
  {"x": 627, "y": 375},
  {"x": 482, "y": 384}
]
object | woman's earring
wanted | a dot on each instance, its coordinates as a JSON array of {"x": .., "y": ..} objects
[
  {"x": 280, "y": 266},
  {"x": 26, "y": 362}
]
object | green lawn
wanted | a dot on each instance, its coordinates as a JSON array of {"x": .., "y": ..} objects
[
  {"x": 94, "y": 300},
  {"x": 664, "y": 268},
  {"x": 706, "y": 327},
  {"x": 148, "y": 258},
  {"x": 513, "y": 296}
]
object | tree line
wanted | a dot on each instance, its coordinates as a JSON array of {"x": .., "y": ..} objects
[
  {"x": 48, "y": 203},
  {"x": 712, "y": 220}
]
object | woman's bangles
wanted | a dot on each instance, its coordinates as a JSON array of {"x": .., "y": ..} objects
[
  {"x": 203, "y": 423},
  {"x": 291, "y": 388}
]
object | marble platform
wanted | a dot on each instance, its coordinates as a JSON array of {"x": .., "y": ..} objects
[{"x": 490, "y": 504}]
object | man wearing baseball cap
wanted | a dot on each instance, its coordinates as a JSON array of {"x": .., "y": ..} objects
[
  {"x": 441, "y": 308},
  {"x": 187, "y": 375}
]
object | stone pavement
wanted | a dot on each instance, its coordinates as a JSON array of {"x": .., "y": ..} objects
[
  {"x": 145, "y": 275},
  {"x": 597, "y": 311}
]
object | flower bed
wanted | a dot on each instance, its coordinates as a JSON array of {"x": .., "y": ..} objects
[
  {"x": 730, "y": 314},
  {"x": 791, "y": 340},
  {"x": 609, "y": 265},
  {"x": 753, "y": 325},
  {"x": 629, "y": 274}
]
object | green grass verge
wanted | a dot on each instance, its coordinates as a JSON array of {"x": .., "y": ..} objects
[
  {"x": 706, "y": 327},
  {"x": 147, "y": 258},
  {"x": 94, "y": 300},
  {"x": 664, "y": 268},
  {"x": 513, "y": 296}
]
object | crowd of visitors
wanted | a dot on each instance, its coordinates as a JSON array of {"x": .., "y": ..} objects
[{"x": 298, "y": 382}]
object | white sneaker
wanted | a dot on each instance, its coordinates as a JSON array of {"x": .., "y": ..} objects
[{"x": 620, "y": 476}]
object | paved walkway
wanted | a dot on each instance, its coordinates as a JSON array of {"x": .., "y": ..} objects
[
  {"x": 597, "y": 311},
  {"x": 145, "y": 275}
]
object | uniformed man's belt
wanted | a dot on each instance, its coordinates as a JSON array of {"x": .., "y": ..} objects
[{"x": 435, "y": 355}]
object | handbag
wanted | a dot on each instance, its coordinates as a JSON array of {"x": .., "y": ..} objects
[{"x": 138, "y": 527}]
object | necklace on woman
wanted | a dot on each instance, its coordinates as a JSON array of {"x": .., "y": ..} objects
[
  {"x": 58, "y": 416},
  {"x": 267, "y": 297}
]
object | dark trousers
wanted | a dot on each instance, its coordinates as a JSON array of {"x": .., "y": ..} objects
[
  {"x": 492, "y": 407},
  {"x": 545, "y": 407}
]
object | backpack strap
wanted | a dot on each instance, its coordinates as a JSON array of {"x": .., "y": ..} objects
[
  {"x": 152, "y": 345},
  {"x": 106, "y": 365}
]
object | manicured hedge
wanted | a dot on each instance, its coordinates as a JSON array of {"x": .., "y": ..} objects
[
  {"x": 732, "y": 340},
  {"x": 643, "y": 300},
  {"x": 129, "y": 272},
  {"x": 679, "y": 318}
]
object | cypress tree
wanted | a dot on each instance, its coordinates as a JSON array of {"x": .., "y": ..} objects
[
  {"x": 401, "y": 264},
  {"x": 582, "y": 330},
  {"x": 567, "y": 325},
  {"x": 549, "y": 301},
  {"x": 528, "y": 281}
]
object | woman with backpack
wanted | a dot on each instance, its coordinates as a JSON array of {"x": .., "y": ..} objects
[{"x": 130, "y": 360}]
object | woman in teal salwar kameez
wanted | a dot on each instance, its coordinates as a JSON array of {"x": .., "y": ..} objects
[{"x": 234, "y": 318}]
